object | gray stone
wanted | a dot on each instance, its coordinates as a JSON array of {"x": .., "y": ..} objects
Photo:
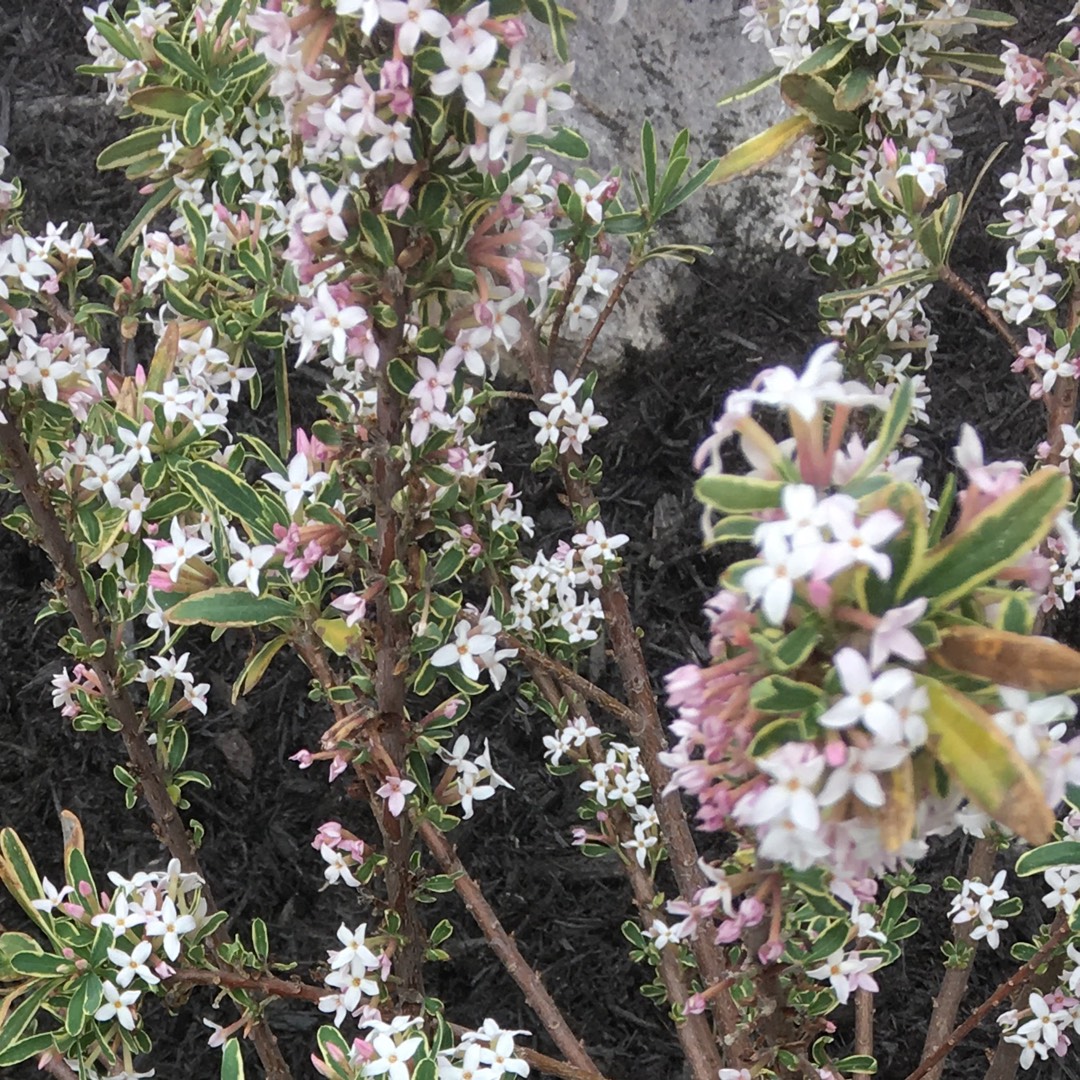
[{"x": 670, "y": 62}]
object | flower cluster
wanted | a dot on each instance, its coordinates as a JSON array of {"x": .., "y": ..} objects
[{"x": 806, "y": 734}]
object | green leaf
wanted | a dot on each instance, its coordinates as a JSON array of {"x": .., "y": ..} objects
[
  {"x": 734, "y": 529},
  {"x": 197, "y": 230},
  {"x": 374, "y": 229},
  {"x": 832, "y": 939},
  {"x": 855, "y": 90},
  {"x": 565, "y": 142},
  {"x": 825, "y": 58},
  {"x": 176, "y": 56},
  {"x": 856, "y": 1063},
  {"x": 231, "y": 492},
  {"x": 157, "y": 202},
  {"x": 779, "y": 694},
  {"x": 163, "y": 102},
  {"x": 794, "y": 649},
  {"x": 694, "y": 184},
  {"x": 256, "y": 667},
  {"x": 813, "y": 97},
  {"x": 756, "y": 152},
  {"x": 748, "y": 89},
  {"x": 24, "y": 1049},
  {"x": 84, "y": 1002},
  {"x": 45, "y": 964},
  {"x": 440, "y": 932},
  {"x": 738, "y": 494},
  {"x": 648, "y": 159},
  {"x": 1048, "y": 857},
  {"x": 450, "y": 562},
  {"x": 20, "y": 876},
  {"x": 985, "y": 763},
  {"x": 224, "y": 606},
  {"x": 996, "y": 538},
  {"x": 232, "y": 1061},
  {"x": 989, "y": 63},
  {"x": 882, "y": 285},
  {"x": 136, "y": 149},
  {"x": 193, "y": 129},
  {"x": 260, "y": 939},
  {"x": 19, "y": 1018},
  {"x": 980, "y": 17}
]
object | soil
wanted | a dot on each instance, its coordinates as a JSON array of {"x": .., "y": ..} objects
[{"x": 564, "y": 910}]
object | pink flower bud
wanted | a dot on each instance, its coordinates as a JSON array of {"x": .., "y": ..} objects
[
  {"x": 888, "y": 150},
  {"x": 695, "y": 1005}
]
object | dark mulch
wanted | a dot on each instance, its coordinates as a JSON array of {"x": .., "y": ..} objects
[{"x": 564, "y": 910}]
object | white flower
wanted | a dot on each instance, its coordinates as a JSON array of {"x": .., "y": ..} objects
[
  {"x": 52, "y": 898},
  {"x": 168, "y": 925},
  {"x": 133, "y": 964},
  {"x": 118, "y": 1005},
  {"x": 773, "y": 584},
  {"x": 870, "y": 700},
  {"x": 299, "y": 482},
  {"x": 463, "y": 650}
]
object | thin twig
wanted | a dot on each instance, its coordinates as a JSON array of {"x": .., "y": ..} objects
[
  {"x": 609, "y": 307},
  {"x": 955, "y": 282},
  {"x": 955, "y": 980},
  {"x": 643, "y": 723},
  {"x": 1019, "y": 978},
  {"x": 864, "y": 1027},
  {"x": 505, "y": 948}
]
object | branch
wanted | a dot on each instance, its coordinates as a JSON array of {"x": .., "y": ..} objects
[
  {"x": 505, "y": 948},
  {"x": 392, "y": 647},
  {"x": 643, "y": 723},
  {"x": 168, "y": 827},
  {"x": 864, "y": 1026},
  {"x": 1018, "y": 979},
  {"x": 955, "y": 980},
  {"x": 609, "y": 307},
  {"x": 978, "y": 301}
]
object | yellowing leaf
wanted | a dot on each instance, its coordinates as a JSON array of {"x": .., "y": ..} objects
[
  {"x": 336, "y": 635},
  {"x": 982, "y": 760},
  {"x": 755, "y": 153},
  {"x": 898, "y": 814},
  {"x": 1031, "y": 663}
]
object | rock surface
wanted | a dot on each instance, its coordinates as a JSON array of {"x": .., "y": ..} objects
[{"x": 670, "y": 63}]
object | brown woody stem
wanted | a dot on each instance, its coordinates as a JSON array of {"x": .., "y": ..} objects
[
  {"x": 643, "y": 722},
  {"x": 1021, "y": 977},
  {"x": 392, "y": 647},
  {"x": 955, "y": 282},
  {"x": 609, "y": 307},
  {"x": 955, "y": 980},
  {"x": 505, "y": 948}
]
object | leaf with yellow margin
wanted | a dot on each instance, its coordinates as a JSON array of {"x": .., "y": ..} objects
[{"x": 983, "y": 761}]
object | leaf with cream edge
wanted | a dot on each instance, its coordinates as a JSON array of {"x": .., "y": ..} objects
[
  {"x": 230, "y": 608},
  {"x": 1037, "y": 664},
  {"x": 1048, "y": 857},
  {"x": 20, "y": 876},
  {"x": 996, "y": 538},
  {"x": 757, "y": 152},
  {"x": 738, "y": 494},
  {"x": 985, "y": 764},
  {"x": 232, "y": 1061}
]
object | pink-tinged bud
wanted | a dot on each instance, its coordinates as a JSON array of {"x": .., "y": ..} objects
[
  {"x": 751, "y": 911},
  {"x": 770, "y": 952},
  {"x": 81, "y": 964},
  {"x": 1073, "y": 36},
  {"x": 74, "y": 910},
  {"x": 695, "y": 1005},
  {"x": 729, "y": 931},
  {"x": 86, "y": 889},
  {"x": 335, "y": 1051},
  {"x": 303, "y": 758},
  {"x": 362, "y": 1050},
  {"x": 320, "y": 1066},
  {"x": 819, "y": 592},
  {"x": 450, "y": 709},
  {"x": 579, "y": 836},
  {"x": 475, "y": 550},
  {"x": 67, "y": 953},
  {"x": 160, "y": 581},
  {"x": 830, "y": 1027},
  {"x": 514, "y": 32},
  {"x": 163, "y": 970},
  {"x": 835, "y": 753},
  {"x": 337, "y": 767},
  {"x": 888, "y": 150},
  {"x": 396, "y": 200}
]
